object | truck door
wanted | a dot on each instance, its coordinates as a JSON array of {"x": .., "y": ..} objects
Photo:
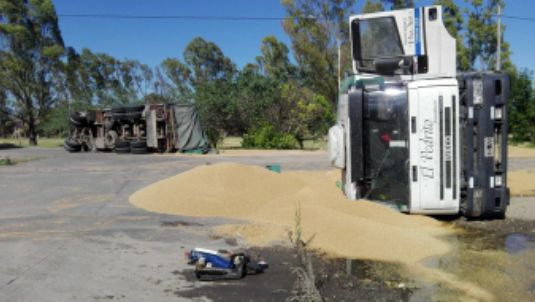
[{"x": 433, "y": 109}]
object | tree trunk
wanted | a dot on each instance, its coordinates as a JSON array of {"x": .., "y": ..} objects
[
  {"x": 32, "y": 131},
  {"x": 301, "y": 142}
]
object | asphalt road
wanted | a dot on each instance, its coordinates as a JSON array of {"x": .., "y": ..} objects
[{"x": 68, "y": 232}]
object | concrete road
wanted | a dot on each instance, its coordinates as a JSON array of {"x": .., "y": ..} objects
[{"x": 68, "y": 232}]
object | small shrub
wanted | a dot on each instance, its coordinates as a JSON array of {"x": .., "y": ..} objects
[
  {"x": 6, "y": 162},
  {"x": 267, "y": 137}
]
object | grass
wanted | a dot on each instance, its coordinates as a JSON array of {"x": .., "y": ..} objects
[
  {"x": 6, "y": 162},
  {"x": 234, "y": 142},
  {"x": 231, "y": 142},
  {"x": 41, "y": 142},
  {"x": 11, "y": 161},
  {"x": 315, "y": 144},
  {"x": 522, "y": 144}
]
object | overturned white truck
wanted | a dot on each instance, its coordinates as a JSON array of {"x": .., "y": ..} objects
[
  {"x": 137, "y": 129},
  {"x": 413, "y": 132}
]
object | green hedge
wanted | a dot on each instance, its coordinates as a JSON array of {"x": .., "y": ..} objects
[{"x": 267, "y": 137}]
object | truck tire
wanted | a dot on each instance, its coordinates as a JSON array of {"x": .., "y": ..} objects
[
  {"x": 122, "y": 150},
  {"x": 117, "y": 110},
  {"x": 118, "y": 114},
  {"x": 71, "y": 146},
  {"x": 139, "y": 147},
  {"x": 137, "y": 108},
  {"x": 133, "y": 115},
  {"x": 72, "y": 143},
  {"x": 110, "y": 139},
  {"x": 122, "y": 147},
  {"x": 138, "y": 144},
  {"x": 71, "y": 149},
  {"x": 139, "y": 151}
]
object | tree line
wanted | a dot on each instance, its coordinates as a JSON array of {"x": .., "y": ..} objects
[{"x": 273, "y": 102}]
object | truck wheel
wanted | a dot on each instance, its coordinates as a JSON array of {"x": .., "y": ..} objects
[
  {"x": 117, "y": 110},
  {"x": 137, "y": 108},
  {"x": 139, "y": 147},
  {"x": 121, "y": 150},
  {"x": 111, "y": 138},
  {"x": 133, "y": 115},
  {"x": 139, "y": 151},
  {"x": 71, "y": 146},
  {"x": 72, "y": 143},
  {"x": 117, "y": 113},
  {"x": 122, "y": 147},
  {"x": 71, "y": 150}
]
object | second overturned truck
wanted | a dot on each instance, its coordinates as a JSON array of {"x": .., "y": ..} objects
[
  {"x": 137, "y": 129},
  {"x": 413, "y": 132}
]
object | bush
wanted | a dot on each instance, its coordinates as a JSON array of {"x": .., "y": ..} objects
[
  {"x": 6, "y": 162},
  {"x": 267, "y": 137},
  {"x": 522, "y": 108}
]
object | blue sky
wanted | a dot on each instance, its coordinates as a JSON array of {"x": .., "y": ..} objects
[{"x": 151, "y": 41}]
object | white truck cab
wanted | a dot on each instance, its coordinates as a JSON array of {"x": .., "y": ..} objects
[{"x": 404, "y": 120}]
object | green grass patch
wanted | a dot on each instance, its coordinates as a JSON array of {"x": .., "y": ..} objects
[
  {"x": 522, "y": 144},
  {"x": 6, "y": 161},
  {"x": 231, "y": 142},
  {"x": 235, "y": 142},
  {"x": 22, "y": 143},
  {"x": 315, "y": 144},
  {"x": 11, "y": 161}
]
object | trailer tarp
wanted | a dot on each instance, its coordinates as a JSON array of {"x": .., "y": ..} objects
[{"x": 189, "y": 133}]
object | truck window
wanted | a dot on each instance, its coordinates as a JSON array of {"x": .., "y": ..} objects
[
  {"x": 375, "y": 39},
  {"x": 386, "y": 140}
]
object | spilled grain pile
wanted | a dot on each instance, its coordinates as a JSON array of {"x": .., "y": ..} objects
[
  {"x": 520, "y": 152},
  {"x": 268, "y": 202},
  {"x": 521, "y": 183}
]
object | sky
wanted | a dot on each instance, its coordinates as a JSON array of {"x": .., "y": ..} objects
[{"x": 151, "y": 41}]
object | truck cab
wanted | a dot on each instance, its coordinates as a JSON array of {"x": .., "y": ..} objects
[{"x": 403, "y": 121}]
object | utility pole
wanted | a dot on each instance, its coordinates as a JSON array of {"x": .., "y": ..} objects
[
  {"x": 499, "y": 39},
  {"x": 339, "y": 45}
]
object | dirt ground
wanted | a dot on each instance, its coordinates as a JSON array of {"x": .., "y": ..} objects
[{"x": 68, "y": 233}]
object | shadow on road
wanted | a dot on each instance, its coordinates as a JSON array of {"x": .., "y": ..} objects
[{"x": 4, "y": 146}]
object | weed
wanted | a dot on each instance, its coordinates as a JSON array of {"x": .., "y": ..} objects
[
  {"x": 305, "y": 286},
  {"x": 6, "y": 162}
]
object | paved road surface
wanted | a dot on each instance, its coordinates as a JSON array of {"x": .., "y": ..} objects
[{"x": 68, "y": 233}]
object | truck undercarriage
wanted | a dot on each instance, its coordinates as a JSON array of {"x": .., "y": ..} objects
[{"x": 136, "y": 129}]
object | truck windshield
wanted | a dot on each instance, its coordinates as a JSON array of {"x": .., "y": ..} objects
[
  {"x": 374, "y": 39},
  {"x": 386, "y": 141}
]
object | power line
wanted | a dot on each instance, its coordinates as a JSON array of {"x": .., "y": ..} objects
[
  {"x": 518, "y": 18},
  {"x": 169, "y": 17},
  {"x": 217, "y": 18}
]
